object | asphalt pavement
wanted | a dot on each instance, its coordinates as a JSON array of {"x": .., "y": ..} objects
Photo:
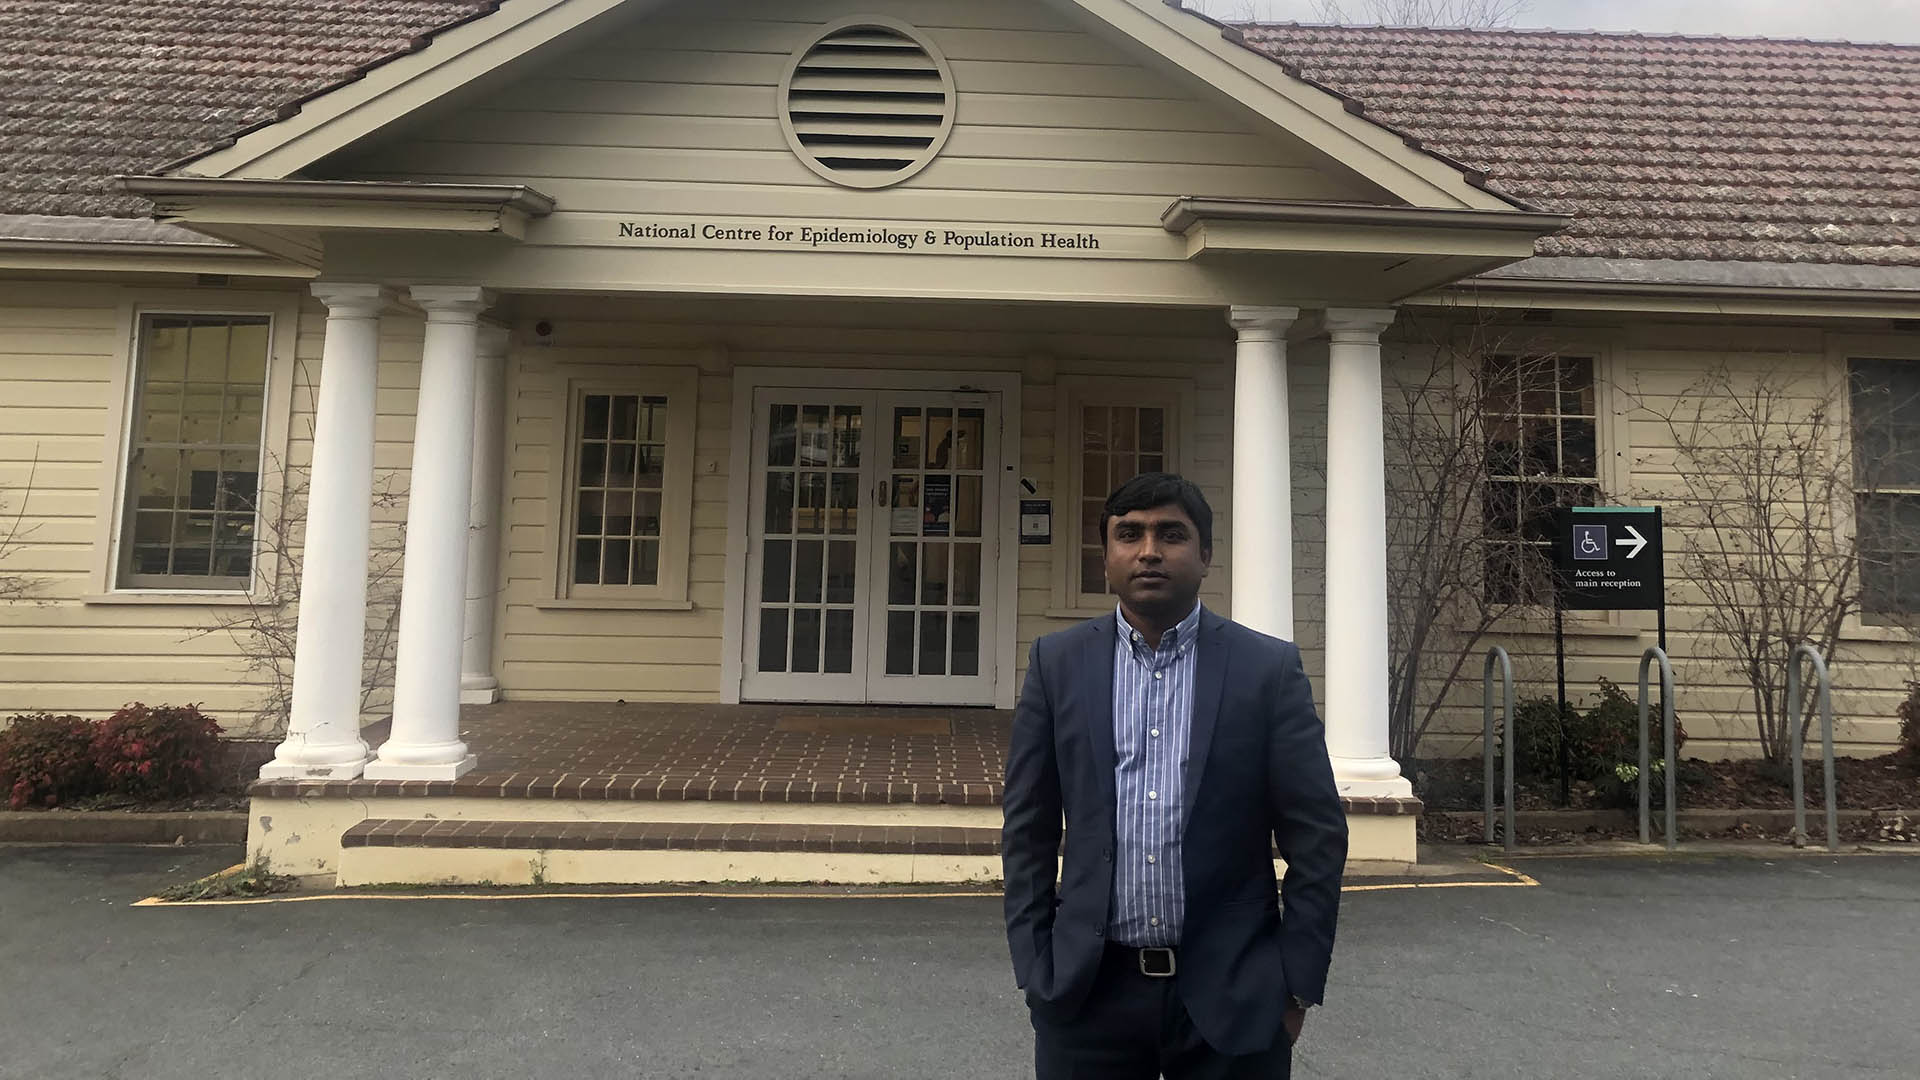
[{"x": 1735, "y": 967}]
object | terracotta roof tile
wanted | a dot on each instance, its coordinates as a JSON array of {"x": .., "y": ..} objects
[
  {"x": 92, "y": 88},
  {"x": 1661, "y": 147}
]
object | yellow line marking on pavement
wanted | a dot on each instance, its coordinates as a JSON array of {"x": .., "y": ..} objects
[{"x": 154, "y": 901}]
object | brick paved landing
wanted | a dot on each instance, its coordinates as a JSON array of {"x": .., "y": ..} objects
[
  {"x": 724, "y": 753},
  {"x": 720, "y": 753}
]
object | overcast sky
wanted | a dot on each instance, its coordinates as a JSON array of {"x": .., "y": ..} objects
[{"x": 1824, "y": 20}]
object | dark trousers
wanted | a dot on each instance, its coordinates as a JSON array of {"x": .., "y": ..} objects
[{"x": 1134, "y": 1027}]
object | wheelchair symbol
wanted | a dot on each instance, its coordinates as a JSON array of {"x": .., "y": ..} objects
[{"x": 1590, "y": 542}]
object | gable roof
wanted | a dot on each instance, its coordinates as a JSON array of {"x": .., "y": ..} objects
[
  {"x": 1660, "y": 147},
  {"x": 92, "y": 90}
]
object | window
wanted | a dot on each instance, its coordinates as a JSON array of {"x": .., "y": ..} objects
[
  {"x": 621, "y": 493},
  {"x": 1110, "y": 430},
  {"x": 619, "y": 484},
  {"x": 194, "y": 452},
  {"x": 1885, "y": 397},
  {"x": 1541, "y": 422}
]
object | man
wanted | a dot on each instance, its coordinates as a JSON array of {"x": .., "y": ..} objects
[{"x": 1180, "y": 747}]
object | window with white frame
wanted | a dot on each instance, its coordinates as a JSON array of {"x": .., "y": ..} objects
[
  {"x": 1540, "y": 420},
  {"x": 626, "y": 494},
  {"x": 194, "y": 452},
  {"x": 1111, "y": 430},
  {"x": 1885, "y": 399}
]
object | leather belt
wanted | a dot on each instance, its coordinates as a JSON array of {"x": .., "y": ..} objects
[{"x": 1154, "y": 961}]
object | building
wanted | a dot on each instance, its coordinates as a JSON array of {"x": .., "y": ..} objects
[{"x": 740, "y": 353}]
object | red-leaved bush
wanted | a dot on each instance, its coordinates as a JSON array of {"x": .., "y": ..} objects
[
  {"x": 156, "y": 752},
  {"x": 46, "y": 760}
]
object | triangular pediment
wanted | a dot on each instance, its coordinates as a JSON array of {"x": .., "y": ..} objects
[{"x": 1082, "y": 97}]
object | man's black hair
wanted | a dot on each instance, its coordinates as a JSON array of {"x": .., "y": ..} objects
[{"x": 1150, "y": 491}]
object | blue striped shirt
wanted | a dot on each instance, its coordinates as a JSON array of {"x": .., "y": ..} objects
[{"x": 1152, "y": 718}]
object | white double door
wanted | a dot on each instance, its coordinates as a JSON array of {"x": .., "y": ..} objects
[{"x": 873, "y": 555}]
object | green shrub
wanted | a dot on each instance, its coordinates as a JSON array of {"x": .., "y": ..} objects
[
  {"x": 1599, "y": 740},
  {"x": 1608, "y": 736},
  {"x": 46, "y": 760},
  {"x": 1536, "y": 731},
  {"x": 158, "y": 752}
]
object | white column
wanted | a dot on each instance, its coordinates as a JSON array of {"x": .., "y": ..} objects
[
  {"x": 477, "y": 683},
  {"x": 1356, "y": 676},
  {"x": 426, "y": 684},
  {"x": 323, "y": 727},
  {"x": 1261, "y": 570}
]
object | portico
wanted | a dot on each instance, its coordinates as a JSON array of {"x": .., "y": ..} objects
[{"x": 828, "y": 424}]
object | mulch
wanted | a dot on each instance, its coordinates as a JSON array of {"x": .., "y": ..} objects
[{"x": 1889, "y": 781}]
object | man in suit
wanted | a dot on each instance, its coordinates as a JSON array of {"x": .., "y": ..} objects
[{"x": 1181, "y": 748}]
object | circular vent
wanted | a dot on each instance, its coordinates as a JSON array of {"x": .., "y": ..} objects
[{"x": 868, "y": 104}]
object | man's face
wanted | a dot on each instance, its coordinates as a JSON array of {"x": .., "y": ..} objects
[{"x": 1155, "y": 562}]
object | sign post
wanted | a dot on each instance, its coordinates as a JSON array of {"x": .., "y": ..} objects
[{"x": 1609, "y": 558}]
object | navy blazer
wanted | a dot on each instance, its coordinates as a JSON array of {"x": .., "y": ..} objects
[{"x": 1257, "y": 775}]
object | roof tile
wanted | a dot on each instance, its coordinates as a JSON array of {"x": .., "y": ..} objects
[{"x": 1660, "y": 147}]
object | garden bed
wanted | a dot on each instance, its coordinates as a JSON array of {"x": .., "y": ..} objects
[{"x": 1889, "y": 781}]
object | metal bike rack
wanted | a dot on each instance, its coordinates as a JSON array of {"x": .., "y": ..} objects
[
  {"x": 1672, "y": 768},
  {"x": 1486, "y": 700},
  {"x": 1794, "y": 726}
]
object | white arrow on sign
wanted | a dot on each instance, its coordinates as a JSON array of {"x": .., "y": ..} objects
[{"x": 1636, "y": 543}]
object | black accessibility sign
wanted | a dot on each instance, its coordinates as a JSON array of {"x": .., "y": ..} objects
[{"x": 1610, "y": 558}]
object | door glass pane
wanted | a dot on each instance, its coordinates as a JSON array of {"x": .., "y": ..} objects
[
  {"x": 933, "y": 574},
  {"x": 773, "y": 639},
  {"x": 782, "y": 422},
  {"x": 969, "y": 437},
  {"x": 939, "y": 438},
  {"x": 816, "y": 444},
  {"x": 846, "y": 437},
  {"x": 933, "y": 643},
  {"x": 810, "y": 516},
  {"x": 906, "y": 497},
  {"x": 966, "y": 643},
  {"x": 807, "y": 565},
  {"x": 899, "y": 642},
  {"x": 841, "y": 574},
  {"x": 966, "y": 506},
  {"x": 901, "y": 577},
  {"x": 845, "y": 519},
  {"x": 839, "y": 660},
  {"x": 776, "y": 571},
  {"x": 779, "y": 503},
  {"x": 806, "y": 639},
  {"x": 906, "y": 438},
  {"x": 966, "y": 575}
]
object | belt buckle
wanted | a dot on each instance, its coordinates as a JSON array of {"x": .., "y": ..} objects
[{"x": 1153, "y": 970}]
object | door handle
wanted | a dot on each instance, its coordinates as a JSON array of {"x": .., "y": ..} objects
[{"x": 880, "y": 493}]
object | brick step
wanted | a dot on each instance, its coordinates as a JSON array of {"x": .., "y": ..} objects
[
  {"x": 672, "y": 836},
  {"x": 382, "y": 851}
]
